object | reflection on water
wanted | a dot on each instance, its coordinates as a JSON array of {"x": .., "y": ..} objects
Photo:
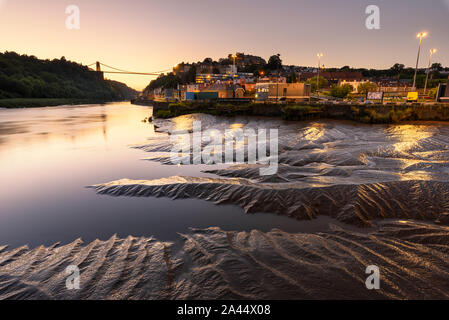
[
  {"x": 410, "y": 136},
  {"x": 49, "y": 155},
  {"x": 354, "y": 173}
]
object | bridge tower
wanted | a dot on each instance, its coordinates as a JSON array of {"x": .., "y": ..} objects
[{"x": 98, "y": 71}]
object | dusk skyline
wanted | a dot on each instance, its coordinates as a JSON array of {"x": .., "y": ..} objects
[{"x": 155, "y": 35}]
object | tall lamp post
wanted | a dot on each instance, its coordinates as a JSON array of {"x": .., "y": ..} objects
[
  {"x": 420, "y": 35},
  {"x": 432, "y": 51},
  {"x": 319, "y": 55}
]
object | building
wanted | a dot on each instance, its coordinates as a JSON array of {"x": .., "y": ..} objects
[
  {"x": 195, "y": 87},
  {"x": 181, "y": 69},
  {"x": 212, "y": 77},
  {"x": 232, "y": 70},
  {"x": 242, "y": 60},
  {"x": 272, "y": 79},
  {"x": 443, "y": 92},
  {"x": 249, "y": 86},
  {"x": 221, "y": 77},
  {"x": 160, "y": 94},
  {"x": 269, "y": 91},
  {"x": 209, "y": 95},
  {"x": 334, "y": 77},
  {"x": 239, "y": 93},
  {"x": 225, "y": 91}
]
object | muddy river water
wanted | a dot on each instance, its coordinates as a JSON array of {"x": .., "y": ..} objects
[{"x": 94, "y": 186}]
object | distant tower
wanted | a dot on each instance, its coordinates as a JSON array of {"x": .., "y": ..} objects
[{"x": 98, "y": 72}]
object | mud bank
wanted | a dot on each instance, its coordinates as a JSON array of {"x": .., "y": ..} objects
[
  {"x": 376, "y": 113},
  {"x": 353, "y": 173},
  {"x": 354, "y": 204},
  {"x": 387, "y": 177},
  {"x": 214, "y": 264}
]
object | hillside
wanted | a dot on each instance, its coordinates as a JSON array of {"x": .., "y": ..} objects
[{"x": 23, "y": 76}]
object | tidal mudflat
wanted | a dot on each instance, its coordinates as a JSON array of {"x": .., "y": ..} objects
[{"x": 379, "y": 193}]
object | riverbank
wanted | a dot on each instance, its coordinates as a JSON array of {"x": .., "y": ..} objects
[
  {"x": 375, "y": 113},
  {"x": 44, "y": 102}
]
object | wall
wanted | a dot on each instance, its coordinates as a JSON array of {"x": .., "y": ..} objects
[{"x": 288, "y": 90}]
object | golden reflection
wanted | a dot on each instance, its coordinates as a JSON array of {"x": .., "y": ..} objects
[
  {"x": 416, "y": 175},
  {"x": 235, "y": 126},
  {"x": 183, "y": 123},
  {"x": 314, "y": 132},
  {"x": 409, "y": 136},
  {"x": 410, "y": 140},
  {"x": 54, "y": 132}
]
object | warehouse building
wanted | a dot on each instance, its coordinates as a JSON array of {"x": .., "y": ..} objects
[{"x": 282, "y": 91}]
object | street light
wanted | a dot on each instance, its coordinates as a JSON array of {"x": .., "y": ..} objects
[
  {"x": 319, "y": 55},
  {"x": 420, "y": 35},
  {"x": 432, "y": 51}
]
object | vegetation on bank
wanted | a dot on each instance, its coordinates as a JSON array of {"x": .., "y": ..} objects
[
  {"x": 43, "y": 102},
  {"x": 181, "y": 108},
  {"x": 27, "y": 77},
  {"x": 371, "y": 115},
  {"x": 393, "y": 114},
  {"x": 365, "y": 114}
]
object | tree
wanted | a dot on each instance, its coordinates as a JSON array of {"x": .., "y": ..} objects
[
  {"x": 208, "y": 61},
  {"x": 433, "y": 92},
  {"x": 293, "y": 77},
  {"x": 191, "y": 75},
  {"x": 436, "y": 66},
  {"x": 341, "y": 91},
  {"x": 397, "y": 68},
  {"x": 226, "y": 62},
  {"x": 313, "y": 83},
  {"x": 367, "y": 87},
  {"x": 23, "y": 76},
  {"x": 275, "y": 62},
  {"x": 169, "y": 81}
]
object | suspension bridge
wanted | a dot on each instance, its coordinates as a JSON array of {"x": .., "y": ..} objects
[{"x": 99, "y": 65}]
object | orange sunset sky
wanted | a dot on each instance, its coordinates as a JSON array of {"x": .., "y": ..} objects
[{"x": 153, "y": 35}]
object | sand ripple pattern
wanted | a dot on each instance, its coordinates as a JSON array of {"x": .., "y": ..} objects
[
  {"x": 352, "y": 172},
  {"x": 215, "y": 264}
]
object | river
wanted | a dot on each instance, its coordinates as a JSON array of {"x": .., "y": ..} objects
[
  {"x": 346, "y": 196},
  {"x": 48, "y": 156}
]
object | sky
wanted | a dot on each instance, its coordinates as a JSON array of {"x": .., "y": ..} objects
[{"x": 155, "y": 35}]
